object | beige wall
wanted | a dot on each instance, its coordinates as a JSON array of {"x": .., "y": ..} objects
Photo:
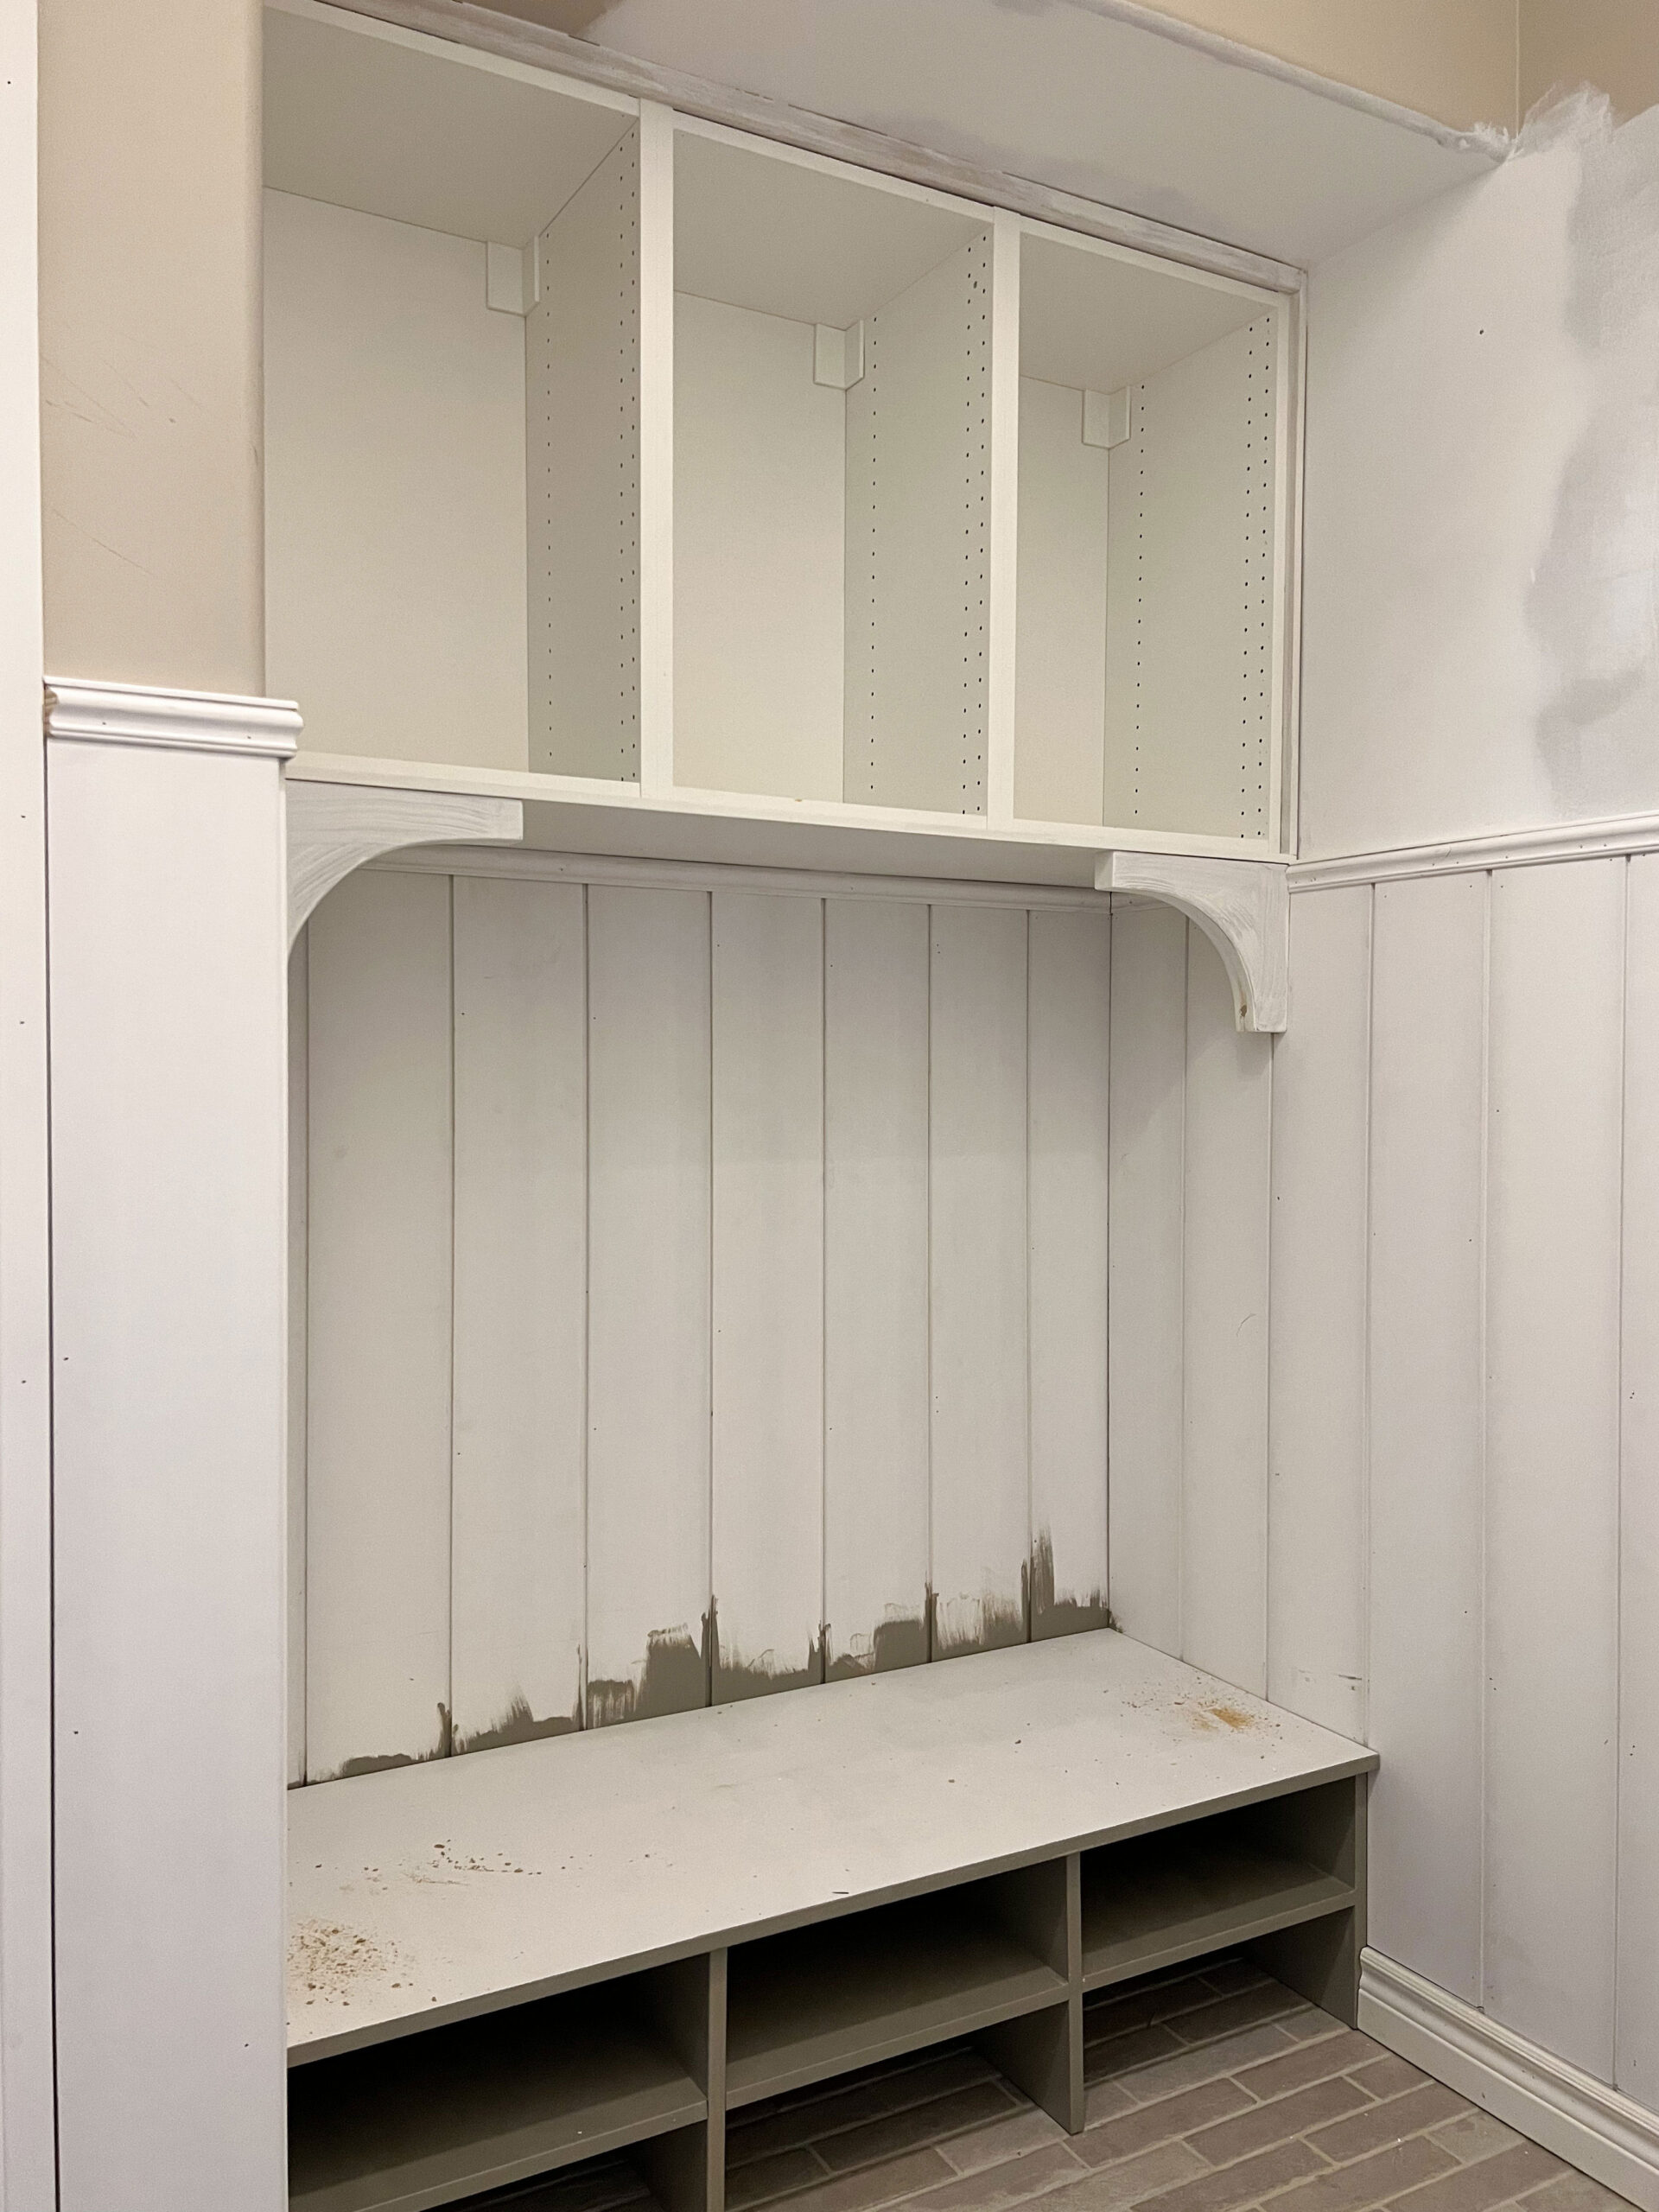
[
  {"x": 1464, "y": 61},
  {"x": 1610, "y": 43},
  {"x": 1452, "y": 58},
  {"x": 150, "y": 341}
]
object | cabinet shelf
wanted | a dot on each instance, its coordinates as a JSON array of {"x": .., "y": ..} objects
[
  {"x": 427, "y": 2118},
  {"x": 820, "y": 2001},
  {"x": 1162, "y": 1898}
]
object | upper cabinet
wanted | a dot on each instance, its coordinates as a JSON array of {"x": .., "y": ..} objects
[
  {"x": 1152, "y": 577},
  {"x": 832, "y": 439},
  {"x": 625, "y": 451}
]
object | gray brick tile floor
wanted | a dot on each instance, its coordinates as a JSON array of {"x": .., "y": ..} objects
[{"x": 1210, "y": 2090}]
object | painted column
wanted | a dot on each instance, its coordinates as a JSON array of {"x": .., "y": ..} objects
[{"x": 168, "y": 952}]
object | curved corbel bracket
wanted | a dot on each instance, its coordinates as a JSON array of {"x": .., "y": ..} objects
[
  {"x": 334, "y": 828},
  {"x": 1241, "y": 907}
]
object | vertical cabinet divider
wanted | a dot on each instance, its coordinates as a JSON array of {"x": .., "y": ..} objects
[
  {"x": 656, "y": 448},
  {"x": 1042, "y": 2052},
  {"x": 1004, "y": 516},
  {"x": 686, "y": 2170}
]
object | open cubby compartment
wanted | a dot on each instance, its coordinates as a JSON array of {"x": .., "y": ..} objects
[
  {"x": 1231, "y": 1877},
  {"x": 832, "y": 366},
  {"x": 442, "y": 2113},
  {"x": 847, "y": 1991},
  {"x": 451, "y": 400},
  {"x": 1152, "y": 571}
]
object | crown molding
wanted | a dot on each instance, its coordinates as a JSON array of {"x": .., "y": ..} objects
[{"x": 191, "y": 721}]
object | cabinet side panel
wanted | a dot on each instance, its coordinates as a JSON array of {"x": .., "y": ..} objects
[
  {"x": 1060, "y": 672},
  {"x": 759, "y": 486},
  {"x": 379, "y": 1306},
  {"x": 919, "y": 582},
  {"x": 981, "y": 1488},
  {"x": 768, "y": 1292},
  {"x": 1071, "y": 1018},
  {"x": 520, "y": 1229},
  {"x": 1224, "y": 1221},
  {"x": 1554, "y": 1125},
  {"x": 876, "y": 1351},
  {"x": 648, "y": 1349},
  {"x": 1190, "y": 690},
  {"x": 1147, "y": 1146},
  {"x": 582, "y": 352}
]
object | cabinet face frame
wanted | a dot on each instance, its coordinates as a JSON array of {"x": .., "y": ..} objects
[{"x": 1100, "y": 231}]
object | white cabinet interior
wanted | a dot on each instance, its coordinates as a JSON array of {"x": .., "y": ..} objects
[{"x": 617, "y": 447}]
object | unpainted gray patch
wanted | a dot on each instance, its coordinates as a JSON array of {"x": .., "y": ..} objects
[
  {"x": 380, "y": 1762},
  {"x": 675, "y": 1678},
  {"x": 1074, "y": 1612},
  {"x": 519, "y": 1725}
]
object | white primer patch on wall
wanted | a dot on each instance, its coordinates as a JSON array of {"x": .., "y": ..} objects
[{"x": 1480, "y": 643}]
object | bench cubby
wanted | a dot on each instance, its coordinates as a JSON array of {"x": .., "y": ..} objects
[{"x": 622, "y": 1935}]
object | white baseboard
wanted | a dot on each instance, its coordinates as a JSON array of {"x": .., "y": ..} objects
[{"x": 1569, "y": 2112}]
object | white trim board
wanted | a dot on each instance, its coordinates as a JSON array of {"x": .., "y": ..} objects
[
  {"x": 1564, "y": 841},
  {"x": 531, "y": 864},
  {"x": 1603, "y": 2133}
]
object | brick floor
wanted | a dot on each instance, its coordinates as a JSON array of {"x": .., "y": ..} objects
[{"x": 1211, "y": 2089}]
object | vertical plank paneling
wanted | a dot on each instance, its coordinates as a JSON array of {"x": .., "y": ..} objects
[
  {"x": 1071, "y": 1036},
  {"x": 648, "y": 1387},
  {"x": 768, "y": 1292},
  {"x": 1428, "y": 1059},
  {"x": 1225, "y": 1481},
  {"x": 377, "y": 1490},
  {"x": 875, "y": 1348},
  {"x": 1637, "y": 2043},
  {"x": 981, "y": 1514},
  {"x": 1552, "y": 1488},
  {"x": 1147, "y": 1143},
  {"x": 1316, "y": 1515},
  {"x": 297, "y": 1115},
  {"x": 521, "y": 1208}
]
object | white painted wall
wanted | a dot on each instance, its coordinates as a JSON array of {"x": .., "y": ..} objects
[
  {"x": 1444, "y": 1520},
  {"x": 1482, "y": 504},
  {"x": 395, "y": 546}
]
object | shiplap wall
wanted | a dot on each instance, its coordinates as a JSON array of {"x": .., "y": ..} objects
[
  {"x": 1462, "y": 1529},
  {"x": 700, "y": 1291}
]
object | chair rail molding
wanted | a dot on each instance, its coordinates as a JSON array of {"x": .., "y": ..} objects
[
  {"x": 1241, "y": 907},
  {"x": 334, "y": 829},
  {"x": 142, "y": 714}
]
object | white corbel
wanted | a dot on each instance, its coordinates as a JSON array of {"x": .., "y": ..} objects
[
  {"x": 334, "y": 828},
  {"x": 1241, "y": 907}
]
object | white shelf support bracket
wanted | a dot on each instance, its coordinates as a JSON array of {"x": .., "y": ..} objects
[
  {"x": 1241, "y": 907},
  {"x": 334, "y": 828}
]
